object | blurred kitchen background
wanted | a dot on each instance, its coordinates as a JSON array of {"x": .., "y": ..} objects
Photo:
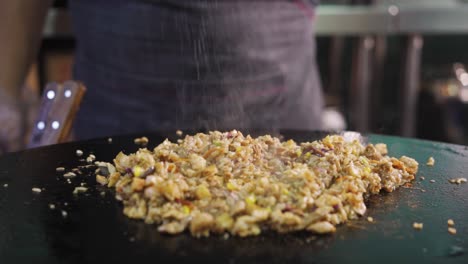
[{"x": 390, "y": 67}]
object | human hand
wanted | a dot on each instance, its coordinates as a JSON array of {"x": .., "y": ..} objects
[{"x": 15, "y": 120}]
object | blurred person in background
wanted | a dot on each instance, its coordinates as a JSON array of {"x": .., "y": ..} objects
[{"x": 172, "y": 64}]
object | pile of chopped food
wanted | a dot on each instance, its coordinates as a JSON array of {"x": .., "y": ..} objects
[{"x": 228, "y": 183}]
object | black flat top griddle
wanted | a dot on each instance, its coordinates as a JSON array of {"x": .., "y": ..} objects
[{"x": 96, "y": 231}]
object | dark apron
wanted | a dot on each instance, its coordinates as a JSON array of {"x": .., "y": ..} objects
[{"x": 187, "y": 64}]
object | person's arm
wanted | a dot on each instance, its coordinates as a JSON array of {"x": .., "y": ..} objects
[{"x": 21, "y": 23}]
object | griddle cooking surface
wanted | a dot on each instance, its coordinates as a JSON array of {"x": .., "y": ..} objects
[{"x": 95, "y": 230}]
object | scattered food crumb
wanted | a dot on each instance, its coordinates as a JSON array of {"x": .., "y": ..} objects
[
  {"x": 65, "y": 203},
  {"x": 103, "y": 193},
  {"x": 370, "y": 219},
  {"x": 69, "y": 175},
  {"x": 64, "y": 213},
  {"x": 76, "y": 170},
  {"x": 418, "y": 226},
  {"x": 452, "y": 230},
  {"x": 180, "y": 141},
  {"x": 450, "y": 222},
  {"x": 226, "y": 236},
  {"x": 69, "y": 181},
  {"x": 83, "y": 184},
  {"x": 52, "y": 206},
  {"x": 79, "y": 153},
  {"x": 80, "y": 190},
  {"x": 458, "y": 180},
  {"x": 430, "y": 161},
  {"x": 179, "y": 132},
  {"x": 142, "y": 141},
  {"x": 5, "y": 185},
  {"x": 455, "y": 251},
  {"x": 422, "y": 178},
  {"x": 432, "y": 181},
  {"x": 90, "y": 158},
  {"x": 132, "y": 239},
  {"x": 36, "y": 190},
  {"x": 60, "y": 169},
  {"x": 101, "y": 179},
  {"x": 109, "y": 140}
]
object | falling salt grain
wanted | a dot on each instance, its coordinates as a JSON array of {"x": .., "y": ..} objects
[
  {"x": 370, "y": 219},
  {"x": 79, "y": 153},
  {"x": 64, "y": 213},
  {"x": 36, "y": 190},
  {"x": 179, "y": 132},
  {"x": 60, "y": 169},
  {"x": 5, "y": 185},
  {"x": 52, "y": 206}
]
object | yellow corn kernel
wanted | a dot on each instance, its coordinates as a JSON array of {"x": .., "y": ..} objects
[
  {"x": 186, "y": 209},
  {"x": 307, "y": 155},
  {"x": 238, "y": 148},
  {"x": 285, "y": 192},
  {"x": 231, "y": 186},
  {"x": 367, "y": 169},
  {"x": 224, "y": 221},
  {"x": 202, "y": 192},
  {"x": 250, "y": 200},
  {"x": 299, "y": 152},
  {"x": 137, "y": 171}
]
